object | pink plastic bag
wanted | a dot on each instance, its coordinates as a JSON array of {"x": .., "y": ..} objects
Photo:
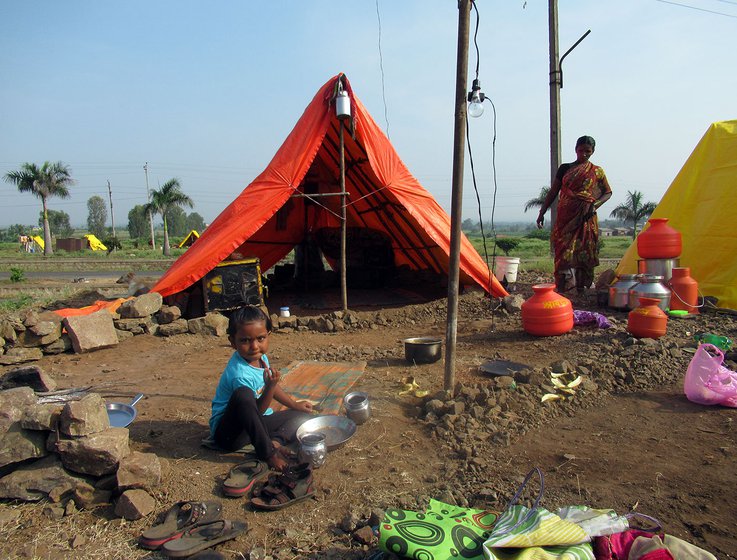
[{"x": 708, "y": 381}]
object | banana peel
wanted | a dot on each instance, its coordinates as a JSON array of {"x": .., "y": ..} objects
[
  {"x": 411, "y": 387},
  {"x": 564, "y": 385},
  {"x": 551, "y": 397}
]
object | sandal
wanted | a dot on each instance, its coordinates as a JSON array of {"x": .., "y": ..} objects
[
  {"x": 293, "y": 486},
  {"x": 242, "y": 477},
  {"x": 180, "y": 517},
  {"x": 203, "y": 536}
]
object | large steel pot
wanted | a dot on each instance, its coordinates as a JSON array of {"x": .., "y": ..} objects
[
  {"x": 651, "y": 286},
  {"x": 619, "y": 292},
  {"x": 422, "y": 350},
  {"x": 658, "y": 267}
]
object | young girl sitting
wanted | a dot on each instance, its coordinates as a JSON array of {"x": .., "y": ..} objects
[{"x": 240, "y": 409}]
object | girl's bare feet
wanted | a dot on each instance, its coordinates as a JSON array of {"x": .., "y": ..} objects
[{"x": 278, "y": 460}]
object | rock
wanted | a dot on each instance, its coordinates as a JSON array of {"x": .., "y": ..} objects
[
  {"x": 91, "y": 332},
  {"x": 139, "y": 470},
  {"x": 143, "y": 306},
  {"x": 43, "y": 416},
  {"x": 70, "y": 508},
  {"x": 349, "y": 522},
  {"x": 7, "y": 332},
  {"x": 38, "y": 480},
  {"x": 123, "y": 335},
  {"x": 28, "y": 376},
  {"x": 18, "y": 444},
  {"x": 59, "y": 346},
  {"x": 136, "y": 326},
  {"x": 29, "y": 338},
  {"x": 86, "y": 416},
  {"x": 53, "y": 511},
  {"x": 168, "y": 314},
  {"x": 134, "y": 504},
  {"x": 8, "y": 516},
  {"x": 364, "y": 535},
  {"x": 96, "y": 454},
  {"x": 86, "y": 496},
  {"x": 180, "y": 326},
  {"x": 211, "y": 324},
  {"x": 286, "y": 322},
  {"x": 513, "y": 303},
  {"x": 19, "y": 355},
  {"x": 77, "y": 541}
]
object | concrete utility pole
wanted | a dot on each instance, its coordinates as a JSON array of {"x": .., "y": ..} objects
[
  {"x": 556, "y": 84},
  {"x": 150, "y": 216},
  {"x": 459, "y": 147},
  {"x": 112, "y": 216}
]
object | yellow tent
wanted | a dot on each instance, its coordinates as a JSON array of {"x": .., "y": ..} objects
[
  {"x": 94, "y": 243},
  {"x": 192, "y": 236},
  {"x": 700, "y": 204},
  {"x": 38, "y": 240}
]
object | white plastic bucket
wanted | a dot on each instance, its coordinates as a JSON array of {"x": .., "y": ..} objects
[{"x": 506, "y": 266}]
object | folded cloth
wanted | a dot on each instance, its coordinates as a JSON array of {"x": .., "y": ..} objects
[
  {"x": 581, "y": 317},
  {"x": 441, "y": 532}
]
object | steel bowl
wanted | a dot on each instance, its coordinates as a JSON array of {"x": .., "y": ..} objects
[
  {"x": 422, "y": 350},
  {"x": 336, "y": 429}
]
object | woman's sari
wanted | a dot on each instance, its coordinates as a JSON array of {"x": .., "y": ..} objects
[{"x": 576, "y": 238}]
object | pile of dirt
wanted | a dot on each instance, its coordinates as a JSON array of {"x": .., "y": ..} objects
[{"x": 625, "y": 438}]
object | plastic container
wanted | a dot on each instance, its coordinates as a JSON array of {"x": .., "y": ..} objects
[
  {"x": 647, "y": 320},
  {"x": 685, "y": 290},
  {"x": 649, "y": 286},
  {"x": 506, "y": 266},
  {"x": 659, "y": 241},
  {"x": 547, "y": 313},
  {"x": 284, "y": 312}
]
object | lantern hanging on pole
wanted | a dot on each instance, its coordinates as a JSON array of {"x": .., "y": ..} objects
[{"x": 342, "y": 103}]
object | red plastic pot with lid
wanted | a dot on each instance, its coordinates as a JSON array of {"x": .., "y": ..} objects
[{"x": 659, "y": 241}]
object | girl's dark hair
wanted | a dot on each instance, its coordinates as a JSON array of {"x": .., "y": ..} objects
[
  {"x": 247, "y": 314},
  {"x": 587, "y": 140}
]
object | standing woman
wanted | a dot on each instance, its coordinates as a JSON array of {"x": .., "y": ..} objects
[{"x": 583, "y": 188}]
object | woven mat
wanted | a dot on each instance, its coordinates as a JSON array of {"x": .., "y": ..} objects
[{"x": 324, "y": 384}]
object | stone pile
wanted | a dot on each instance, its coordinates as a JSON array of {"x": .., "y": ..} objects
[{"x": 67, "y": 452}]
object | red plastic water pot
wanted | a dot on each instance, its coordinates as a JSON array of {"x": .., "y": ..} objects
[
  {"x": 685, "y": 290},
  {"x": 647, "y": 320},
  {"x": 547, "y": 313},
  {"x": 659, "y": 241}
]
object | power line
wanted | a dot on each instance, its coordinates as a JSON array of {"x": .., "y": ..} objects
[{"x": 699, "y": 9}]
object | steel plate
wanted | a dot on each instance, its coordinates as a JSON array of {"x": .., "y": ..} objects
[{"x": 336, "y": 429}]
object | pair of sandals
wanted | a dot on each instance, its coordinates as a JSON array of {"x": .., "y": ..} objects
[
  {"x": 189, "y": 529},
  {"x": 280, "y": 489}
]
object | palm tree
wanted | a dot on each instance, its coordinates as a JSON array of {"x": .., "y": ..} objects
[
  {"x": 539, "y": 201},
  {"x": 634, "y": 210},
  {"x": 51, "y": 179},
  {"x": 170, "y": 194}
]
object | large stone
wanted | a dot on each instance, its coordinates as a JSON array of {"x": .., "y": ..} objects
[
  {"x": 134, "y": 504},
  {"x": 180, "y": 326},
  {"x": 59, "y": 346},
  {"x": 42, "y": 416},
  {"x": 20, "y": 355},
  {"x": 29, "y": 339},
  {"x": 168, "y": 314},
  {"x": 136, "y": 326},
  {"x": 139, "y": 470},
  {"x": 86, "y": 416},
  {"x": 142, "y": 306},
  {"x": 28, "y": 376},
  {"x": 48, "y": 323},
  {"x": 18, "y": 444},
  {"x": 91, "y": 332},
  {"x": 97, "y": 454},
  {"x": 7, "y": 331},
  {"x": 212, "y": 324},
  {"x": 42, "y": 478},
  {"x": 86, "y": 496},
  {"x": 13, "y": 403}
]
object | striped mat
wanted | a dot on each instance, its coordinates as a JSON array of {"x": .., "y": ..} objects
[{"x": 324, "y": 384}]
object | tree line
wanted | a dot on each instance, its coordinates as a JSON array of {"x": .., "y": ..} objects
[{"x": 55, "y": 179}]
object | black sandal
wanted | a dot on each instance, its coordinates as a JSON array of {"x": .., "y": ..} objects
[{"x": 290, "y": 487}]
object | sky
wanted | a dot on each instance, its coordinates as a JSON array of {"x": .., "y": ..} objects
[{"x": 207, "y": 92}]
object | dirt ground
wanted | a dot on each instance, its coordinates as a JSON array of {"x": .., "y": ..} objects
[{"x": 628, "y": 440}]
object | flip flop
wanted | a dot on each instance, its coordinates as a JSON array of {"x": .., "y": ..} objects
[
  {"x": 180, "y": 517},
  {"x": 285, "y": 490},
  {"x": 203, "y": 537},
  {"x": 242, "y": 477}
]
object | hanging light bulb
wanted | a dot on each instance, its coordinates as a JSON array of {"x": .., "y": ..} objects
[
  {"x": 342, "y": 103},
  {"x": 476, "y": 100}
]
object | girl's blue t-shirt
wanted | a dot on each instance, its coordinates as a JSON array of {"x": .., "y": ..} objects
[{"x": 238, "y": 373}]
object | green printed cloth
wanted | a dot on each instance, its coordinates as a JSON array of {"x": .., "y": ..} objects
[
  {"x": 522, "y": 534},
  {"x": 442, "y": 532}
]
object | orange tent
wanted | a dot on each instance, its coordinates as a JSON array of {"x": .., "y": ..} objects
[{"x": 287, "y": 202}]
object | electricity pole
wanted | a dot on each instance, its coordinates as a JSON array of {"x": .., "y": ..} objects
[
  {"x": 112, "y": 216},
  {"x": 150, "y": 216},
  {"x": 459, "y": 146}
]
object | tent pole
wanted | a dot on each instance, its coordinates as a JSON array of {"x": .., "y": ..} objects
[
  {"x": 451, "y": 333},
  {"x": 343, "y": 224}
]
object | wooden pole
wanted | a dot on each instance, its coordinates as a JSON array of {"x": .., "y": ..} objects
[
  {"x": 343, "y": 224},
  {"x": 555, "y": 85},
  {"x": 112, "y": 215},
  {"x": 459, "y": 146}
]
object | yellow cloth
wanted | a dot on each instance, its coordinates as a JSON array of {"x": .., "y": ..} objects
[{"x": 700, "y": 204}]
